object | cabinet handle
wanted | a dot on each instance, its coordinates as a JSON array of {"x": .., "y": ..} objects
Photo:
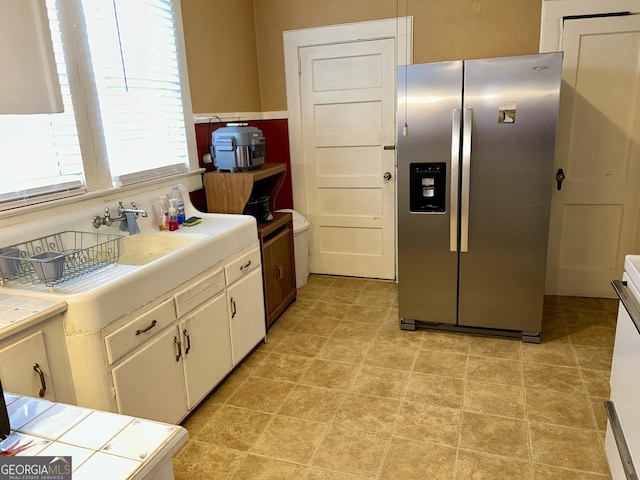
[
  {"x": 43, "y": 385},
  {"x": 186, "y": 335},
  {"x": 246, "y": 265},
  {"x": 151, "y": 325},
  {"x": 280, "y": 272},
  {"x": 233, "y": 308},
  {"x": 176, "y": 342}
]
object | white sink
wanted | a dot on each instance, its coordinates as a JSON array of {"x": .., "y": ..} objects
[{"x": 144, "y": 248}]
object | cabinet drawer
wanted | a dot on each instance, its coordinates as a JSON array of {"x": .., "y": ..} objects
[
  {"x": 138, "y": 331},
  {"x": 199, "y": 292},
  {"x": 242, "y": 266}
]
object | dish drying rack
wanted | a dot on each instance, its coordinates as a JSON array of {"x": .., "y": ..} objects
[{"x": 57, "y": 258}]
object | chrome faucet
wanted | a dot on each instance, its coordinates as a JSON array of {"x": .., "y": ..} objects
[{"x": 107, "y": 219}]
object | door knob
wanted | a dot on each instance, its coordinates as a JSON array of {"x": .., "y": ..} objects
[
  {"x": 387, "y": 175},
  {"x": 559, "y": 178}
]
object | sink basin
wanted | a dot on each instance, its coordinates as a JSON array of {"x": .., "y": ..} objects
[{"x": 144, "y": 248}]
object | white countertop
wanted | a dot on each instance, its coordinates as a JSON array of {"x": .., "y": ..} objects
[
  {"x": 126, "y": 447},
  {"x": 18, "y": 312}
]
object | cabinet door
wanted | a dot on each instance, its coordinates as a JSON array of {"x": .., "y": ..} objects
[
  {"x": 149, "y": 384},
  {"x": 18, "y": 369},
  {"x": 246, "y": 314},
  {"x": 278, "y": 271},
  {"x": 206, "y": 348}
]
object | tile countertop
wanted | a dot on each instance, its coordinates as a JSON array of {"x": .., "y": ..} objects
[
  {"x": 18, "y": 312},
  {"x": 98, "y": 442}
]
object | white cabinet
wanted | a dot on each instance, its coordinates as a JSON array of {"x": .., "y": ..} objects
[
  {"x": 206, "y": 349},
  {"x": 34, "y": 362},
  {"x": 149, "y": 384},
  {"x": 167, "y": 357}
]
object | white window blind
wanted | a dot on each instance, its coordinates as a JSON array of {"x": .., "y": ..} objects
[
  {"x": 40, "y": 154},
  {"x": 135, "y": 63}
]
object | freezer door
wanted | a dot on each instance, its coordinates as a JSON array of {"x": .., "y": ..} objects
[
  {"x": 512, "y": 103},
  {"x": 430, "y": 101}
]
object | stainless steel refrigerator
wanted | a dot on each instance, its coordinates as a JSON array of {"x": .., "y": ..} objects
[{"x": 475, "y": 150}]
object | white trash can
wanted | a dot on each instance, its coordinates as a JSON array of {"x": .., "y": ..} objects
[{"x": 300, "y": 246}]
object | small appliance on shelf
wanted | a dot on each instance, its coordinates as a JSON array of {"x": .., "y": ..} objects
[{"x": 237, "y": 147}]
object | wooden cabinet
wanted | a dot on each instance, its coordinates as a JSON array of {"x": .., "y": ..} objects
[
  {"x": 278, "y": 268},
  {"x": 228, "y": 193}
]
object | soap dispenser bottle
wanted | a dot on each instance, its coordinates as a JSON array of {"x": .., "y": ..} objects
[
  {"x": 173, "y": 215},
  {"x": 176, "y": 195}
]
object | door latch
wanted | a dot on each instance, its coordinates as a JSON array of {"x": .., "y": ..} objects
[{"x": 559, "y": 178}]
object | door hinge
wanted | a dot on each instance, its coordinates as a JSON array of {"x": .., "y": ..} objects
[
  {"x": 299, "y": 66},
  {"x": 113, "y": 392}
]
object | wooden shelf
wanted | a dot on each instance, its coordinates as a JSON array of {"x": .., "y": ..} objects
[{"x": 229, "y": 192}]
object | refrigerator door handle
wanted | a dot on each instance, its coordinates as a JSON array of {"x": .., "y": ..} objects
[
  {"x": 455, "y": 178},
  {"x": 466, "y": 178}
]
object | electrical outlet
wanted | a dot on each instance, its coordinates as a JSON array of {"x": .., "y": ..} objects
[{"x": 206, "y": 158}]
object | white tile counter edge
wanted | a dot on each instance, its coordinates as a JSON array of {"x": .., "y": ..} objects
[{"x": 33, "y": 312}]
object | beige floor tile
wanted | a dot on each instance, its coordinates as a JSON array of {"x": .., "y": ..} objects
[
  {"x": 274, "y": 337},
  {"x": 545, "y": 472},
  {"x": 311, "y": 292},
  {"x": 350, "y": 283},
  {"x": 232, "y": 427},
  {"x": 367, "y": 314},
  {"x": 376, "y": 298},
  {"x": 312, "y": 403},
  {"x": 354, "y": 331},
  {"x": 594, "y": 358},
  {"x": 320, "y": 280},
  {"x": 553, "y": 353},
  {"x": 566, "y": 447},
  {"x": 591, "y": 317},
  {"x": 290, "y": 439},
  {"x": 388, "y": 286},
  {"x": 550, "y": 377},
  {"x": 318, "y": 474},
  {"x": 428, "y": 423},
  {"x": 298, "y": 308},
  {"x": 411, "y": 460},
  {"x": 344, "y": 350},
  {"x": 200, "y": 417},
  {"x": 477, "y": 466},
  {"x": 599, "y": 412},
  {"x": 446, "y": 342},
  {"x": 446, "y": 364},
  {"x": 203, "y": 461},
  {"x": 328, "y": 374},
  {"x": 382, "y": 382},
  {"x": 301, "y": 344},
  {"x": 346, "y": 296},
  {"x": 591, "y": 335},
  {"x": 436, "y": 390},
  {"x": 280, "y": 366},
  {"x": 285, "y": 322},
  {"x": 386, "y": 355},
  {"x": 260, "y": 468},
  {"x": 596, "y": 382},
  {"x": 506, "y": 437},
  {"x": 225, "y": 390},
  {"x": 570, "y": 410},
  {"x": 494, "y": 370},
  {"x": 391, "y": 334},
  {"x": 261, "y": 394},
  {"x": 353, "y": 452},
  {"x": 495, "y": 347},
  {"x": 321, "y": 326},
  {"x": 327, "y": 309},
  {"x": 364, "y": 412},
  {"x": 495, "y": 399}
]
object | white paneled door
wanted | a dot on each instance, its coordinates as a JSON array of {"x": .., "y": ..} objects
[
  {"x": 347, "y": 94},
  {"x": 594, "y": 218}
]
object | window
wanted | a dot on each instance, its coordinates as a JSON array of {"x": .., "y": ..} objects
[{"x": 124, "y": 119}]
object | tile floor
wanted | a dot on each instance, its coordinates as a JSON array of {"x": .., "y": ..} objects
[{"x": 340, "y": 392}]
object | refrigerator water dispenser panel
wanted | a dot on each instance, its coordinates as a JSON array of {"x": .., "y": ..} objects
[{"x": 427, "y": 189}]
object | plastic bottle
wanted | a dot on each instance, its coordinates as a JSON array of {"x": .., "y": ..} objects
[
  {"x": 163, "y": 221},
  {"x": 179, "y": 203},
  {"x": 173, "y": 215}
]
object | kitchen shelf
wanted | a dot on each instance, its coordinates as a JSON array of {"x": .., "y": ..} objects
[{"x": 229, "y": 192}]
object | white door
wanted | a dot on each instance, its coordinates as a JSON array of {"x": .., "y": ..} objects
[
  {"x": 594, "y": 216},
  {"x": 348, "y": 117}
]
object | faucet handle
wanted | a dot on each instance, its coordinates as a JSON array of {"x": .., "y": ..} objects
[{"x": 107, "y": 217}]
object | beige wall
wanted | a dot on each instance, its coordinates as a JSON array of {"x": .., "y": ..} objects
[
  {"x": 220, "y": 40},
  {"x": 443, "y": 30}
]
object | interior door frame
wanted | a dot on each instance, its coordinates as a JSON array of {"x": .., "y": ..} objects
[
  {"x": 553, "y": 12},
  {"x": 400, "y": 29}
]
